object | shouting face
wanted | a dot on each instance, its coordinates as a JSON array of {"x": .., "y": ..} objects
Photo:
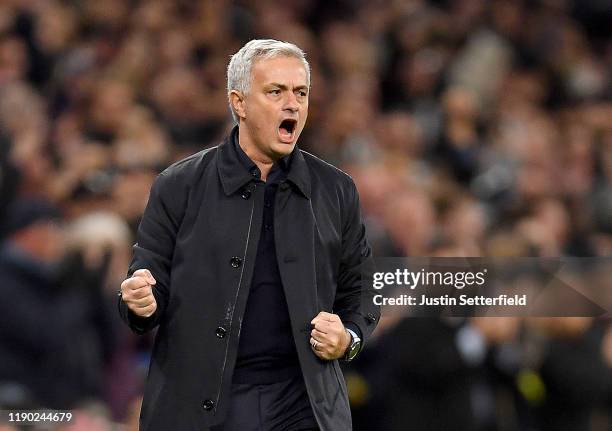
[{"x": 273, "y": 112}]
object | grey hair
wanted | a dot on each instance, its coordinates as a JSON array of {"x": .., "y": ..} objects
[{"x": 241, "y": 63}]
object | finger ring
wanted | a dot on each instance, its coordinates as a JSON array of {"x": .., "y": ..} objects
[{"x": 314, "y": 343}]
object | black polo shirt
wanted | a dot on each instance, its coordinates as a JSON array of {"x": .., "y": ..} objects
[{"x": 266, "y": 352}]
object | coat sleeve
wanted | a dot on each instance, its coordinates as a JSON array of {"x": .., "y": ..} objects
[
  {"x": 154, "y": 248},
  {"x": 354, "y": 296}
]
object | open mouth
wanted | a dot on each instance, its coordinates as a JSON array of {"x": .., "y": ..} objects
[{"x": 286, "y": 129}]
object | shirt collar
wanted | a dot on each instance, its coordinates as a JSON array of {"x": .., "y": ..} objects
[{"x": 236, "y": 169}]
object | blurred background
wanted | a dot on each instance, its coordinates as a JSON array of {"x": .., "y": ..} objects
[{"x": 471, "y": 127}]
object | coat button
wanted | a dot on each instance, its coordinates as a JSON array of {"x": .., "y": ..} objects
[
  {"x": 371, "y": 317},
  {"x": 246, "y": 194},
  {"x": 255, "y": 172},
  {"x": 220, "y": 332},
  {"x": 284, "y": 185},
  {"x": 208, "y": 405},
  {"x": 235, "y": 262}
]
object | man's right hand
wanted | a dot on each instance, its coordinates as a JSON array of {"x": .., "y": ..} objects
[{"x": 137, "y": 293}]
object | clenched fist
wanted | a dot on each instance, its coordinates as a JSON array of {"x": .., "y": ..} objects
[
  {"x": 137, "y": 293},
  {"x": 328, "y": 338}
]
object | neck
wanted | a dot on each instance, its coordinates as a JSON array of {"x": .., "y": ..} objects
[{"x": 261, "y": 160}]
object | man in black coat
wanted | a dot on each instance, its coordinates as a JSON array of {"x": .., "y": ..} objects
[{"x": 253, "y": 260}]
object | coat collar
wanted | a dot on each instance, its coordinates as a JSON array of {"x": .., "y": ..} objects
[{"x": 234, "y": 175}]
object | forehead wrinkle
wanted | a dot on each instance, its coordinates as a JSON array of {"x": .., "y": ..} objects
[
  {"x": 285, "y": 87},
  {"x": 271, "y": 73}
]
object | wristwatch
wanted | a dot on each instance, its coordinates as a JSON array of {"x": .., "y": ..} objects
[{"x": 353, "y": 347}]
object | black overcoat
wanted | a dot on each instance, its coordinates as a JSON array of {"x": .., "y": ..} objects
[{"x": 198, "y": 237}]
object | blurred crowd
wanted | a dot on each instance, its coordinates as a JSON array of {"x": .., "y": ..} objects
[{"x": 471, "y": 127}]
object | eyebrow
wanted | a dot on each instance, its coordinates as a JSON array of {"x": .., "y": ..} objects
[{"x": 284, "y": 87}]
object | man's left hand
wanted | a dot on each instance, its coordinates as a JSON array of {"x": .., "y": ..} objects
[{"x": 328, "y": 338}]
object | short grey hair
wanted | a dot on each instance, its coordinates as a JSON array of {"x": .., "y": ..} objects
[{"x": 241, "y": 63}]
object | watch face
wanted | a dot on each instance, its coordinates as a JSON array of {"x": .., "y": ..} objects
[
  {"x": 354, "y": 347},
  {"x": 354, "y": 350}
]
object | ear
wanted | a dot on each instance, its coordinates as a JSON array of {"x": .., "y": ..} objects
[{"x": 237, "y": 101}]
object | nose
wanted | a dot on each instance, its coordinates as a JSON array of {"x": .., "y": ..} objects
[{"x": 291, "y": 103}]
